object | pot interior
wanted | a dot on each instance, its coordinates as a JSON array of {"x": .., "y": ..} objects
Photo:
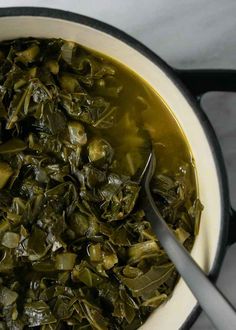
[{"x": 172, "y": 314}]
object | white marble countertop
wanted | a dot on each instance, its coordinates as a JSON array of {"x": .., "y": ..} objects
[{"x": 186, "y": 34}]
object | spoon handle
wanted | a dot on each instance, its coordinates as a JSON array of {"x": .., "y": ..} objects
[{"x": 212, "y": 301}]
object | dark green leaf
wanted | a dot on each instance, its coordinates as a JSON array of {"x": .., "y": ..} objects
[
  {"x": 12, "y": 146},
  {"x": 38, "y": 314},
  {"x": 150, "y": 281}
]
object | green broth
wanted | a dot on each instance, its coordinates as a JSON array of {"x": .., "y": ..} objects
[
  {"x": 167, "y": 136},
  {"x": 148, "y": 111}
]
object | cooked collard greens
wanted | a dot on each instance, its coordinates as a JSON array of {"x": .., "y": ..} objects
[{"x": 76, "y": 251}]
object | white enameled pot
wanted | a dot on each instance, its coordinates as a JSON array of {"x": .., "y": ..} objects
[{"x": 210, "y": 245}]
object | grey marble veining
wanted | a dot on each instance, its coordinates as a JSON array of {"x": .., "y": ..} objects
[{"x": 186, "y": 34}]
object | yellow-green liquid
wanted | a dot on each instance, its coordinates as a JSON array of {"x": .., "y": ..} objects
[{"x": 141, "y": 107}]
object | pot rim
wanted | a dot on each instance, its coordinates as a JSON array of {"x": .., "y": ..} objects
[{"x": 170, "y": 72}]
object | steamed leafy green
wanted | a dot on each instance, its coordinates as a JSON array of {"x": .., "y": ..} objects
[{"x": 76, "y": 252}]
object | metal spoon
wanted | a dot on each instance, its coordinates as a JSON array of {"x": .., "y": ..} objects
[{"x": 212, "y": 301}]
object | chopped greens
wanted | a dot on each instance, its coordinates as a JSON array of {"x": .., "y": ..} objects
[{"x": 76, "y": 252}]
